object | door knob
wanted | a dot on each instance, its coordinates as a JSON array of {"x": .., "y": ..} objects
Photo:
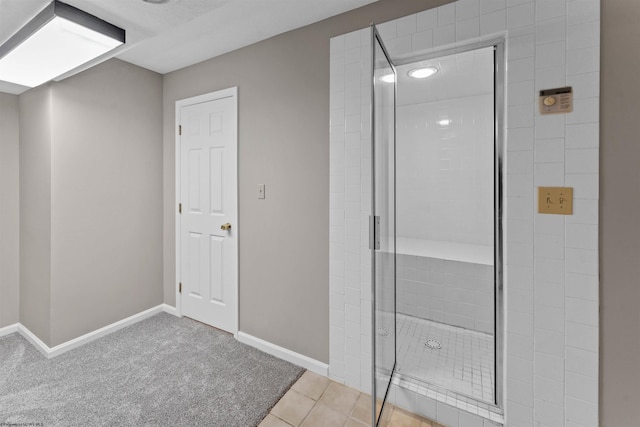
[{"x": 225, "y": 227}]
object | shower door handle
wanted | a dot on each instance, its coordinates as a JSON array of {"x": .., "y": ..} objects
[{"x": 374, "y": 232}]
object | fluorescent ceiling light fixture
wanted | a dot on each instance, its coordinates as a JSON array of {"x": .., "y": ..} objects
[
  {"x": 423, "y": 73},
  {"x": 57, "y": 40},
  {"x": 388, "y": 78}
]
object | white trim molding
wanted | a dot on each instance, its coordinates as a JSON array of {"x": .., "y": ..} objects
[
  {"x": 313, "y": 365},
  {"x": 50, "y": 352},
  {"x": 8, "y": 330},
  {"x": 35, "y": 341},
  {"x": 170, "y": 310},
  {"x": 285, "y": 354},
  {"x": 91, "y": 336}
]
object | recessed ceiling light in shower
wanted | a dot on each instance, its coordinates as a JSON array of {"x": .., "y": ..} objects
[
  {"x": 423, "y": 72},
  {"x": 388, "y": 78}
]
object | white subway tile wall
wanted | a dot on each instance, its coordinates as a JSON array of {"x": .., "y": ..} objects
[
  {"x": 444, "y": 165},
  {"x": 551, "y": 272},
  {"x": 452, "y": 292}
]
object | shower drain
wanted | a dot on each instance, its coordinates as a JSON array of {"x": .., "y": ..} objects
[
  {"x": 382, "y": 332},
  {"x": 433, "y": 344}
]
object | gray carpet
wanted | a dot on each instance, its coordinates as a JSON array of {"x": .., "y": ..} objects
[{"x": 163, "y": 371}]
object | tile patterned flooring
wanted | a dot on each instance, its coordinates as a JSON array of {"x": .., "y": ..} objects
[
  {"x": 316, "y": 401},
  {"x": 464, "y": 364}
]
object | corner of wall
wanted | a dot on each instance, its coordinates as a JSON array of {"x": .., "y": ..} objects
[
  {"x": 35, "y": 207},
  {"x": 70, "y": 266},
  {"x": 106, "y": 188},
  {"x": 9, "y": 211}
]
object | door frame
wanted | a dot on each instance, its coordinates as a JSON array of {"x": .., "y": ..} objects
[
  {"x": 499, "y": 125},
  {"x": 231, "y": 92}
]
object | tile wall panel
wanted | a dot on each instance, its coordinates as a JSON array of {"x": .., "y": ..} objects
[{"x": 551, "y": 272}]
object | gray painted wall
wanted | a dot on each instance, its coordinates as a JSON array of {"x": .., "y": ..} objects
[
  {"x": 91, "y": 187},
  {"x": 283, "y": 143},
  {"x": 9, "y": 211},
  {"x": 620, "y": 214},
  {"x": 35, "y": 211},
  {"x": 106, "y": 198}
]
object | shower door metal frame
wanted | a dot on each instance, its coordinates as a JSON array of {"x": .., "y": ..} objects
[
  {"x": 373, "y": 225},
  {"x": 499, "y": 245},
  {"x": 499, "y": 101}
]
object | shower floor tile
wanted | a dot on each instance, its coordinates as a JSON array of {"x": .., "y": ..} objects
[{"x": 464, "y": 364}]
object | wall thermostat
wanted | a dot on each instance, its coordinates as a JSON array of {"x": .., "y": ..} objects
[{"x": 553, "y": 101}]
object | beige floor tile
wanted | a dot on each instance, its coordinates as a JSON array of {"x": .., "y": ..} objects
[
  {"x": 293, "y": 407},
  {"x": 362, "y": 409},
  {"x": 272, "y": 421},
  {"x": 386, "y": 415},
  {"x": 338, "y": 406},
  {"x": 312, "y": 385},
  {"x": 388, "y": 407},
  {"x": 352, "y": 422},
  {"x": 322, "y": 416},
  {"x": 400, "y": 418},
  {"x": 339, "y": 398}
]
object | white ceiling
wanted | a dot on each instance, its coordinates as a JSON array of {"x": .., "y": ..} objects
[{"x": 166, "y": 37}]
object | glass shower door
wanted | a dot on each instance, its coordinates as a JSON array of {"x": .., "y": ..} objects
[{"x": 383, "y": 226}]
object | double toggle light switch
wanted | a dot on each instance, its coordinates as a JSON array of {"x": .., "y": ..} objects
[{"x": 555, "y": 200}]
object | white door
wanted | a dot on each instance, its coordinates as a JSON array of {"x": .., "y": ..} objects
[{"x": 208, "y": 226}]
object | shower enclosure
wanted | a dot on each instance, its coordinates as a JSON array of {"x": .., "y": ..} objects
[{"x": 435, "y": 229}]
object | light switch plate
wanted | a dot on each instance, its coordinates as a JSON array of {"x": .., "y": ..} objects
[
  {"x": 260, "y": 191},
  {"x": 555, "y": 200}
]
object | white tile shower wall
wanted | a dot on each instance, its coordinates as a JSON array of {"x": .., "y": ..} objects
[
  {"x": 445, "y": 187},
  {"x": 551, "y": 272},
  {"x": 350, "y": 200},
  {"x": 452, "y": 292}
]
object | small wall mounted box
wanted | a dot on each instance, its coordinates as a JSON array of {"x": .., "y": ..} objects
[
  {"x": 555, "y": 200},
  {"x": 555, "y": 101}
]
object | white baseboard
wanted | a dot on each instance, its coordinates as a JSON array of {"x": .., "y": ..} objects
[
  {"x": 285, "y": 354},
  {"x": 34, "y": 340},
  {"x": 91, "y": 336},
  {"x": 50, "y": 352},
  {"x": 9, "y": 329},
  {"x": 273, "y": 349},
  {"x": 170, "y": 310}
]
